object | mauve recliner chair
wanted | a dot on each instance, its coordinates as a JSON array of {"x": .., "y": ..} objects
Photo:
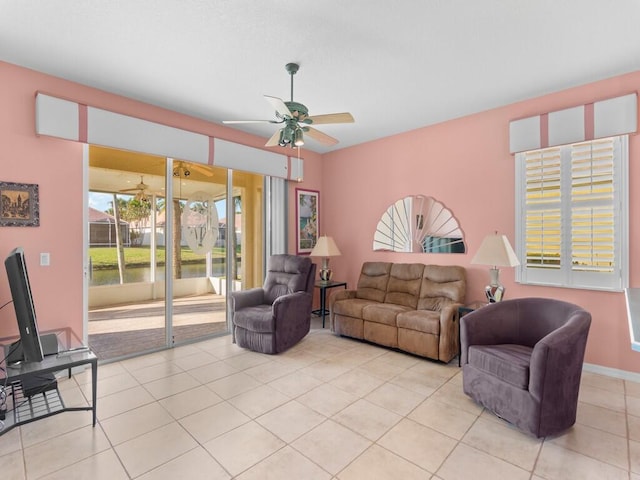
[
  {"x": 276, "y": 316},
  {"x": 522, "y": 359}
]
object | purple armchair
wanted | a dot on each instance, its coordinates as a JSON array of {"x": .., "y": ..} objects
[
  {"x": 522, "y": 359},
  {"x": 276, "y": 316}
]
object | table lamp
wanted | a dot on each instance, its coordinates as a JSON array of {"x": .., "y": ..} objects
[
  {"x": 496, "y": 251},
  {"x": 325, "y": 248}
]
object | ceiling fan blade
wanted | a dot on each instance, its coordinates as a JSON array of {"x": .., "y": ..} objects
[
  {"x": 129, "y": 190},
  {"x": 279, "y": 106},
  {"x": 344, "y": 117},
  {"x": 274, "y": 140},
  {"x": 320, "y": 137},
  {"x": 249, "y": 121},
  {"x": 203, "y": 170}
]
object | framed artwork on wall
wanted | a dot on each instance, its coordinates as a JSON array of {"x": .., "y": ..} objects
[
  {"x": 307, "y": 202},
  {"x": 19, "y": 205}
]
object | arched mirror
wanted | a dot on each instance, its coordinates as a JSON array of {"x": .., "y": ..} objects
[{"x": 419, "y": 224}]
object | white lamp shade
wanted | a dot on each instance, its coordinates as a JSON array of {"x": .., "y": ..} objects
[
  {"x": 325, "y": 247},
  {"x": 496, "y": 250}
]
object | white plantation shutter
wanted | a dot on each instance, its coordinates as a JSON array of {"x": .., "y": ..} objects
[{"x": 571, "y": 229}]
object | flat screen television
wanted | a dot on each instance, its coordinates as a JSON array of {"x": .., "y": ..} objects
[{"x": 23, "y": 303}]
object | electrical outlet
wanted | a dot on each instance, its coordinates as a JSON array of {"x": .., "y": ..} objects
[{"x": 45, "y": 260}]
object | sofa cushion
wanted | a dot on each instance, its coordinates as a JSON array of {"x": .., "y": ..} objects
[
  {"x": 372, "y": 284},
  {"x": 405, "y": 280},
  {"x": 424, "y": 321},
  {"x": 385, "y": 313},
  {"x": 442, "y": 286},
  {"x": 508, "y": 362},
  {"x": 351, "y": 307}
]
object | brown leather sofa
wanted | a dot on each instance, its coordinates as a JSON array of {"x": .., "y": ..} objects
[{"x": 409, "y": 306}]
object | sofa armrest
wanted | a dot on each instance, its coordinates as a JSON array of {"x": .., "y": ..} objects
[
  {"x": 246, "y": 298},
  {"x": 335, "y": 296},
  {"x": 448, "y": 344}
]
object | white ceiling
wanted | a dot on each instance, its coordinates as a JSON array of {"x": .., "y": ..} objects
[{"x": 395, "y": 66}]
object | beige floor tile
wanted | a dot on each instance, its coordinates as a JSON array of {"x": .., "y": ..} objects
[
  {"x": 154, "y": 448},
  {"x": 327, "y": 399},
  {"x": 418, "y": 444},
  {"x": 180, "y": 352},
  {"x": 557, "y": 463},
  {"x": 10, "y": 442},
  {"x": 602, "y": 418},
  {"x": 198, "y": 359},
  {"x": 453, "y": 394},
  {"x": 196, "y": 464},
  {"x": 207, "y": 424},
  {"x": 110, "y": 385},
  {"x": 104, "y": 371},
  {"x": 101, "y": 466},
  {"x": 51, "y": 427},
  {"x": 12, "y": 466},
  {"x": 285, "y": 464},
  {"x": 297, "y": 358},
  {"x": 505, "y": 442},
  {"x": 155, "y": 372},
  {"x": 377, "y": 463},
  {"x": 634, "y": 427},
  {"x": 295, "y": 384},
  {"x": 124, "y": 401},
  {"x": 267, "y": 372},
  {"x": 632, "y": 388},
  {"x": 326, "y": 370},
  {"x": 331, "y": 445},
  {"x": 60, "y": 452},
  {"x": 143, "y": 361},
  {"x": 601, "y": 398},
  {"x": 233, "y": 385},
  {"x": 258, "y": 401},
  {"x": 594, "y": 443},
  {"x": 213, "y": 371},
  {"x": 368, "y": 419},
  {"x": 443, "y": 417},
  {"x": 399, "y": 359},
  {"x": 633, "y": 405},
  {"x": 357, "y": 383},
  {"x": 135, "y": 422},
  {"x": 634, "y": 456},
  {"x": 165, "y": 387},
  {"x": 383, "y": 370},
  {"x": 243, "y": 447},
  {"x": 466, "y": 462},
  {"x": 190, "y": 401},
  {"x": 291, "y": 420},
  {"x": 248, "y": 359},
  {"x": 614, "y": 385},
  {"x": 395, "y": 398}
]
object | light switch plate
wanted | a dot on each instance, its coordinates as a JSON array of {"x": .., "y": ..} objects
[{"x": 45, "y": 260}]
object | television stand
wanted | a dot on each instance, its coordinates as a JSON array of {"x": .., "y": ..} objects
[{"x": 32, "y": 395}]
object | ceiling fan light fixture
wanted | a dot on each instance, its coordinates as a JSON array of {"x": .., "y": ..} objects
[{"x": 298, "y": 139}]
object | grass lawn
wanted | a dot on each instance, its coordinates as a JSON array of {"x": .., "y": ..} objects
[{"x": 106, "y": 257}]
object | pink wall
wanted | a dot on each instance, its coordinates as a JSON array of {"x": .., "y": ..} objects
[
  {"x": 56, "y": 166},
  {"x": 465, "y": 164}
]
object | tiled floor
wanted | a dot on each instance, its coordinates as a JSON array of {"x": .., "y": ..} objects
[{"x": 330, "y": 408}]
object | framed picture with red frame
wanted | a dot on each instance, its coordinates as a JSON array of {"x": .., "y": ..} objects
[{"x": 307, "y": 203}]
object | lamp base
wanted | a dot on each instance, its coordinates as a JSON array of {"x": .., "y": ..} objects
[
  {"x": 325, "y": 274},
  {"x": 494, "y": 291}
]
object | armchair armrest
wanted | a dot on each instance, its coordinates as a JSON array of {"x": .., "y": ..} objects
[
  {"x": 246, "y": 298},
  {"x": 297, "y": 304},
  {"x": 556, "y": 361}
]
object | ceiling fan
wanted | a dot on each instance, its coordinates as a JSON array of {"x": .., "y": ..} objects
[
  {"x": 296, "y": 120},
  {"x": 182, "y": 170},
  {"x": 141, "y": 189}
]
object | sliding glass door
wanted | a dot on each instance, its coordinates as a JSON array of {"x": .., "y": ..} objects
[{"x": 187, "y": 233}]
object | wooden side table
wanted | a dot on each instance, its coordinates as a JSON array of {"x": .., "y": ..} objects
[
  {"x": 462, "y": 311},
  {"x": 324, "y": 286}
]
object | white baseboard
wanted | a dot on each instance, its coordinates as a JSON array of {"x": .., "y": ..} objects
[{"x": 611, "y": 372}]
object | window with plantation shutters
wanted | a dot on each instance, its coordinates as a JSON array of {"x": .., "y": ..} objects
[{"x": 571, "y": 226}]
